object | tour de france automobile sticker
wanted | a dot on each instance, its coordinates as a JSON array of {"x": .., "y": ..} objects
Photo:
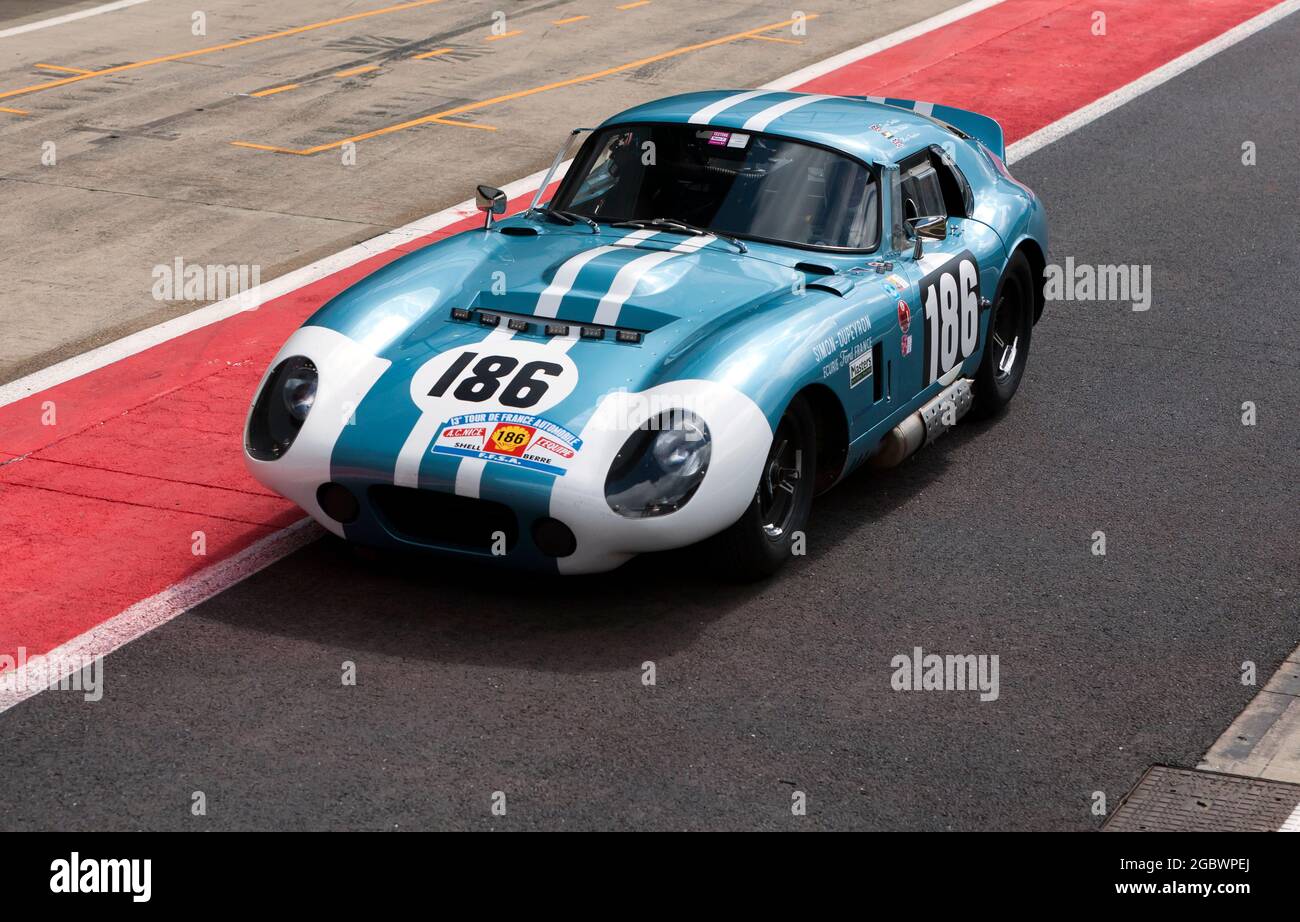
[{"x": 509, "y": 438}]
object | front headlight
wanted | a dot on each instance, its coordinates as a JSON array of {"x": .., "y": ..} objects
[
  {"x": 660, "y": 466},
  {"x": 281, "y": 408},
  {"x": 299, "y": 390}
]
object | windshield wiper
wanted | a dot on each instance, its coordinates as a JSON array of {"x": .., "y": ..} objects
[
  {"x": 672, "y": 224},
  {"x": 569, "y": 218}
]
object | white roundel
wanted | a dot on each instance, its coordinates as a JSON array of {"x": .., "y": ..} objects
[{"x": 492, "y": 375}]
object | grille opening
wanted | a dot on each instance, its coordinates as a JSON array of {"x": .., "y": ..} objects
[{"x": 444, "y": 519}]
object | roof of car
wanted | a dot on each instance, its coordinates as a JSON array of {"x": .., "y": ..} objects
[{"x": 869, "y": 129}]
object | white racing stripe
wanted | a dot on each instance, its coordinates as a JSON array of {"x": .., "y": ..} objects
[
  {"x": 626, "y": 280},
  {"x": 624, "y": 283},
  {"x": 760, "y": 121},
  {"x": 469, "y": 475},
  {"x": 549, "y": 301},
  {"x": 69, "y": 17},
  {"x": 710, "y": 112}
]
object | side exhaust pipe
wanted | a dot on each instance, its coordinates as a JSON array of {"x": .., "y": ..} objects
[{"x": 925, "y": 425}]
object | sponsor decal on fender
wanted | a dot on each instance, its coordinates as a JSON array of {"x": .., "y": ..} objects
[
  {"x": 894, "y": 284},
  {"x": 509, "y": 438},
  {"x": 904, "y": 316}
]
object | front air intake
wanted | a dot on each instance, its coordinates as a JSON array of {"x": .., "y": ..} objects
[{"x": 444, "y": 520}]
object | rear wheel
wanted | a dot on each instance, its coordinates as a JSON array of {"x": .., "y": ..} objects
[
  {"x": 1006, "y": 352},
  {"x": 761, "y": 540}
]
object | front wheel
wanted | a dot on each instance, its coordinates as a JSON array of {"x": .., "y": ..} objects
[
  {"x": 763, "y": 538},
  {"x": 1007, "y": 349}
]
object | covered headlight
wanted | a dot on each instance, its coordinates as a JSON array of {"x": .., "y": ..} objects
[
  {"x": 660, "y": 466},
  {"x": 281, "y": 408},
  {"x": 300, "y": 390}
]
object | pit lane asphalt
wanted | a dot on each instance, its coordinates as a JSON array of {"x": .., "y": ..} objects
[{"x": 472, "y": 681}]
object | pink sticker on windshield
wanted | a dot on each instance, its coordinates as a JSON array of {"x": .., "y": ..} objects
[{"x": 720, "y": 138}]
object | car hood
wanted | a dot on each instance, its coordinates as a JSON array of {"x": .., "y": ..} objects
[
  {"x": 630, "y": 279},
  {"x": 672, "y": 288},
  {"x": 684, "y": 294}
]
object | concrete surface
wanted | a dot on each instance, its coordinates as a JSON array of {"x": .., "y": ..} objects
[{"x": 145, "y": 170}]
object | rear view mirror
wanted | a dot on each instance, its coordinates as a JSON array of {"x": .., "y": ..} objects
[
  {"x": 935, "y": 227},
  {"x": 491, "y": 201}
]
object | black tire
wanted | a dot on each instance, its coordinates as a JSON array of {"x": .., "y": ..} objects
[
  {"x": 1011, "y": 325},
  {"x": 761, "y": 540}
]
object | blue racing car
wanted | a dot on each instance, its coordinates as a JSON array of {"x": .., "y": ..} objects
[{"x": 732, "y": 301}]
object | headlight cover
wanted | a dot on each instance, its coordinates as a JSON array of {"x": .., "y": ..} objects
[
  {"x": 281, "y": 408},
  {"x": 660, "y": 466}
]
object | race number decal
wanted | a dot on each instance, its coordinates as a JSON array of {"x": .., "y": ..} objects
[
  {"x": 490, "y": 375},
  {"x": 950, "y": 296},
  {"x": 479, "y": 376}
]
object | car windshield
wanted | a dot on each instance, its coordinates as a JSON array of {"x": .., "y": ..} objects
[{"x": 743, "y": 184}]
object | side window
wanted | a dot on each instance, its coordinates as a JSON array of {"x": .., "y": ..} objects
[
  {"x": 957, "y": 196},
  {"x": 922, "y": 192}
]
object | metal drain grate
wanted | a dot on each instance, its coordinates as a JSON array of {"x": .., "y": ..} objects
[{"x": 1181, "y": 800}]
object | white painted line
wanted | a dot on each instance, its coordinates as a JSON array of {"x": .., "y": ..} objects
[
  {"x": 821, "y": 68},
  {"x": 252, "y": 299},
  {"x": 1292, "y": 823},
  {"x": 1093, "y": 111},
  {"x": 69, "y": 17},
  {"x": 157, "y": 610}
]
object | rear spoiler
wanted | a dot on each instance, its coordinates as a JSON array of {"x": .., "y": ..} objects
[{"x": 972, "y": 124}]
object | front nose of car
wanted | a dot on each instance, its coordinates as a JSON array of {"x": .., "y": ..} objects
[{"x": 509, "y": 519}]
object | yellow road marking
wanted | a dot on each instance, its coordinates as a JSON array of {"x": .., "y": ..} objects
[
  {"x": 773, "y": 38},
  {"x": 363, "y": 69},
  {"x": 14, "y": 111},
  {"x": 296, "y": 30},
  {"x": 521, "y": 94},
  {"x": 66, "y": 70},
  {"x": 276, "y": 89},
  {"x": 447, "y": 121},
  {"x": 431, "y": 54},
  {"x": 250, "y": 144},
  {"x": 632, "y": 6},
  {"x": 565, "y": 22},
  {"x": 496, "y": 38}
]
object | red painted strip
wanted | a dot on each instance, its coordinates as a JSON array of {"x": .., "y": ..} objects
[
  {"x": 1028, "y": 63},
  {"x": 100, "y": 510}
]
